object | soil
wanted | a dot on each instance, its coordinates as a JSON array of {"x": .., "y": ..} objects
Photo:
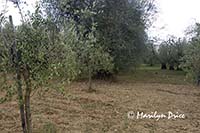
[{"x": 105, "y": 110}]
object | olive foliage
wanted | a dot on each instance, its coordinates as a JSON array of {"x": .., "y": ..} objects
[
  {"x": 120, "y": 25},
  {"x": 191, "y": 59}
]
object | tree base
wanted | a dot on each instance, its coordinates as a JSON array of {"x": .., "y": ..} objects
[
  {"x": 171, "y": 68},
  {"x": 91, "y": 90},
  {"x": 163, "y": 66}
]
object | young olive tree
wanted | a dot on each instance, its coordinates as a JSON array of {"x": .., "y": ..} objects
[
  {"x": 35, "y": 59},
  {"x": 91, "y": 56}
]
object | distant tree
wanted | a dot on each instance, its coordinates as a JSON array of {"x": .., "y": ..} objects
[
  {"x": 151, "y": 54},
  {"x": 163, "y": 55},
  {"x": 171, "y": 52},
  {"x": 179, "y": 47}
]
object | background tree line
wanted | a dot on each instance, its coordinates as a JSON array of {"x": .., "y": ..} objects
[{"x": 177, "y": 54}]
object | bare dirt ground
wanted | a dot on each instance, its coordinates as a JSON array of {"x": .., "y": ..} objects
[{"x": 106, "y": 109}]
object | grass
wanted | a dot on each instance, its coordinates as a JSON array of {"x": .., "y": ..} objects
[{"x": 149, "y": 74}]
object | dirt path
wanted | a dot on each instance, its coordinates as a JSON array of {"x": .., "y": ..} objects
[{"x": 106, "y": 109}]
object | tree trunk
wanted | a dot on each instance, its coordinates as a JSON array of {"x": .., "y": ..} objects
[
  {"x": 4, "y": 77},
  {"x": 27, "y": 100},
  {"x": 18, "y": 79},
  {"x": 90, "y": 79},
  {"x": 163, "y": 66},
  {"x": 171, "y": 67},
  {"x": 198, "y": 80},
  {"x": 179, "y": 69},
  {"x": 21, "y": 102}
]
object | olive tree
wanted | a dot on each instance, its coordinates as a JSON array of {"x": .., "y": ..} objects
[
  {"x": 120, "y": 25},
  {"x": 191, "y": 59},
  {"x": 34, "y": 59},
  {"x": 163, "y": 55},
  {"x": 171, "y": 53},
  {"x": 91, "y": 56},
  {"x": 151, "y": 54}
]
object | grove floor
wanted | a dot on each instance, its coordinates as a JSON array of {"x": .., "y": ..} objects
[{"x": 105, "y": 110}]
